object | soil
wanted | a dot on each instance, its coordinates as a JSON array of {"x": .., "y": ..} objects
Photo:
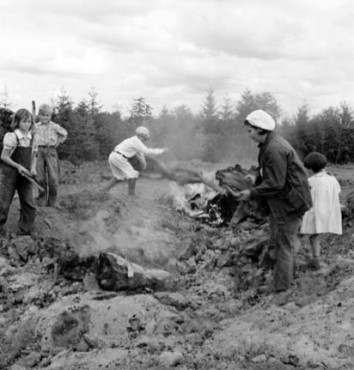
[{"x": 212, "y": 314}]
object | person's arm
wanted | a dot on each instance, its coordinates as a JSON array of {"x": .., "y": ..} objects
[
  {"x": 33, "y": 171},
  {"x": 273, "y": 176},
  {"x": 149, "y": 151},
  {"x": 62, "y": 134},
  {"x": 6, "y": 158}
]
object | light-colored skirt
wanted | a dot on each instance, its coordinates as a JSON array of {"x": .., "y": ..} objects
[{"x": 121, "y": 168}]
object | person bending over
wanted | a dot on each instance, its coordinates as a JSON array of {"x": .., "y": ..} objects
[
  {"x": 119, "y": 162},
  {"x": 282, "y": 182}
]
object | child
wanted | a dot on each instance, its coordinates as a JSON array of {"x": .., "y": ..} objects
[
  {"x": 119, "y": 159},
  {"x": 325, "y": 216},
  {"x": 48, "y": 136},
  {"x": 18, "y": 157}
]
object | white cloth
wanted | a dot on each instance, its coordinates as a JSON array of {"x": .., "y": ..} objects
[
  {"x": 260, "y": 118},
  {"x": 325, "y": 215},
  {"x": 121, "y": 168},
  {"x": 13, "y": 139},
  {"x": 133, "y": 146}
]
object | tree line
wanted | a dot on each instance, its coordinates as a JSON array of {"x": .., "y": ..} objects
[{"x": 215, "y": 134}]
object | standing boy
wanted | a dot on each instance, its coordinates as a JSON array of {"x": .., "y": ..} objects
[
  {"x": 283, "y": 183},
  {"x": 48, "y": 136}
]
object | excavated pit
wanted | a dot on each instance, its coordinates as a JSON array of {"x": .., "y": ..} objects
[{"x": 210, "y": 315}]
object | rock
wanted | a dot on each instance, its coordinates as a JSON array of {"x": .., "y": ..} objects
[
  {"x": 90, "y": 282},
  {"x": 191, "y": 266},
  {"x": 3, "y": 264},
  {"x": 69, "y": 327},
  {"x": 171, "y": 358},
  {"x": 23, "y": 246},
  {"x": 173, "y": 299},
  {"x": 259, "y": 358},
  {"x": 225, "y": 260},
  {"x": 32, "y": 359},
  {"x": 346, "y": 350},
  {"x": 116, "y": 273},
  {"x": 17, "y": 367}
]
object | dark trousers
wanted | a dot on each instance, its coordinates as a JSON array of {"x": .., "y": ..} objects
[
  {"x": 283, "y": 235},
  {"x": 10, "y": 181},
  {"x": 48, "y": 173}
]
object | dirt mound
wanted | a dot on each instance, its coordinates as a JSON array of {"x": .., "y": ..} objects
[{"x": 214, "y": 316}]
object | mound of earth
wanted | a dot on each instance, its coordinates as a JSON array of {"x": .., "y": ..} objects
[{"x": 214, "y": 316}]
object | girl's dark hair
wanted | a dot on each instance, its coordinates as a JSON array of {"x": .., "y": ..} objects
[
  {"x": 20, "y": 115},
  {"x": 315, "y": 161},
  {"x": 261, "y": 131}
]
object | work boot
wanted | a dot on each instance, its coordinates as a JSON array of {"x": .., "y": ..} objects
[{"x": 131, "y": 187}]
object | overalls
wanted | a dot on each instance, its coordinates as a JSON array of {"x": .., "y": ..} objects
[{"x": 11, "y": 181}]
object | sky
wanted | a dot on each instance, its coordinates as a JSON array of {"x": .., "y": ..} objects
[{"x": 172, "y": 52}]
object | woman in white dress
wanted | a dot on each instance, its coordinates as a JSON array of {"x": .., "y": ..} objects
[{"x": 325, "y": 215}]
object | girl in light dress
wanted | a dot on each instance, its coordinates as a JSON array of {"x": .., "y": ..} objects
[{"x": 325, "y": 215}]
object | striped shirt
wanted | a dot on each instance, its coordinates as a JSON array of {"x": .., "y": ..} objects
[{"x": 50, "y": 134}]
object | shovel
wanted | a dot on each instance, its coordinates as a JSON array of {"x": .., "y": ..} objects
[{"x": 33, "y": 181}]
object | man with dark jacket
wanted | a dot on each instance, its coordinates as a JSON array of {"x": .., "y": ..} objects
[{"x": 282, "y": 181}]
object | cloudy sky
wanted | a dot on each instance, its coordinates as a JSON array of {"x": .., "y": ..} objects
[{"x": 172, "y": 52}]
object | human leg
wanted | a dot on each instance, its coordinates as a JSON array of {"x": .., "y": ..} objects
[
  {"x": 8, "y": 180},
  {"x": 42, "y": 176},
  {"x": 53, "y": 171},
  {"x": 316, "y": 250},
  {"x": 27, "y": 208},
  {"x": 131, "y": 187},
  {"x": 284, "y": 266}
]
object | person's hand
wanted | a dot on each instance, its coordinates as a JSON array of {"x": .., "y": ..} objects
[
  {"x": 33, "y": 172},
  {"x": 244, "y": 195},
  {"x": 164, "y": 150},
  {"x": 234, "y": 193},
  {"x": 23, "y": 171}
]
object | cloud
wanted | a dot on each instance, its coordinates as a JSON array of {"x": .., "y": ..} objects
[{"x": 172, "y": 52}]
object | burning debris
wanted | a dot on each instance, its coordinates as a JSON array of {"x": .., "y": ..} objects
[{"x": 210, "y": 202}]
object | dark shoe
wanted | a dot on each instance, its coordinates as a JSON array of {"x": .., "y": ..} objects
[{"x": 314, "y": 264}]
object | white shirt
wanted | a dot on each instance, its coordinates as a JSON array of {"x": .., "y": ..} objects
[
  {"x": 12, "y": 139},
  {"x": 134, "y": 146}
]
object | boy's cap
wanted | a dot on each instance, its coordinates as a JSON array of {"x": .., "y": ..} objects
[
  {"x": 260, "y": 118},
  {"x": 142, "y": 131}
]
